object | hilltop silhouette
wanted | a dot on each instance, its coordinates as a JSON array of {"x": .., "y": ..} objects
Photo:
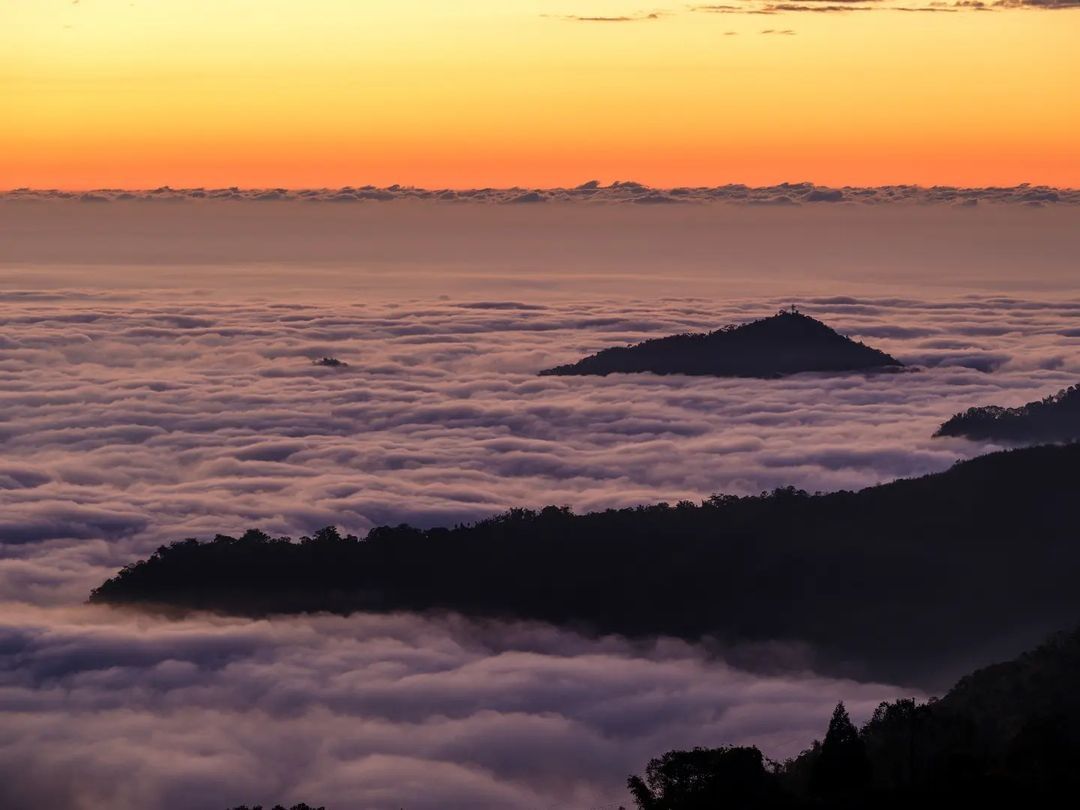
[
  {"x": 910, "y": 580},
  {"x": 1055, "y": 418},
  {"x": 787, "y": 343},
  {"x": 1007, "y": 735},
  {"x": 330, "y": 362}
]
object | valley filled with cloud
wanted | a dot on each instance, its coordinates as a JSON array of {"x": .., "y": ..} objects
[{"x": 136, "y": 413}]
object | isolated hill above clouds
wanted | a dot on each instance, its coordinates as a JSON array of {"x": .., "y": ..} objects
[{"x": 786, "y": 343}]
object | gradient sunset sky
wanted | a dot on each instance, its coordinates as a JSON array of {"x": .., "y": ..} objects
[{"x": 141, "y": 93}]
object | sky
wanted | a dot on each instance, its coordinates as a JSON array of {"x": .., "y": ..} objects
[
  {"x": 440, "y": 93},
  {"x": 157, "y": 377}
]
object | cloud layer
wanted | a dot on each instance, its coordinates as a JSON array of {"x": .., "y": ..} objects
[
  {"x": 593, "y": 191},
  {"x": 133, "y": 421},
  {"x": 157, "y": 380},
  {"x": 107, "y": 711},
  {"x": 899, "y": 6},
  {"x": 835, "y": 6}
]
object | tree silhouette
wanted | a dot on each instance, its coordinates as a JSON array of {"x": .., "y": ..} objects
[
  {"x": 705, "y": 779},
  {"x": 842, "y": 767}
]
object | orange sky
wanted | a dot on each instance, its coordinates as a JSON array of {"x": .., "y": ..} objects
[{"x": 501, "y": 92}]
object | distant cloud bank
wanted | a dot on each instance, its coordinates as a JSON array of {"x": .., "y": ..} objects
[
  {"x": 830, "y": 6},
  {"x": 844, "y": 6},
  {"x": 618, "y": 192}
]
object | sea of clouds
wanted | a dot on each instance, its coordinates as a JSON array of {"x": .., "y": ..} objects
[
  {"x": 136, "y": 412},
  {"x": 130, "y": 421},
  {"x": 103, "y": 710}
]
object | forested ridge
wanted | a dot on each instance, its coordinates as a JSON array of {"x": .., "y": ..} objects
[
  {"x": 1053, "y": 418},
  {"x": 1006, "y": 736},
  {"x": 937, "y": 568}
]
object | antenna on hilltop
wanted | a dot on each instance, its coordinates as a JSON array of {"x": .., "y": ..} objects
[{"x": 792, "y": 310}]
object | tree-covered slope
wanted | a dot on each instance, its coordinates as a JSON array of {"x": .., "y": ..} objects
[
  {"x": 1055, "y": 418},
  {"x": 934, "y": 569},
  {"x": 1005, "y": 736}
]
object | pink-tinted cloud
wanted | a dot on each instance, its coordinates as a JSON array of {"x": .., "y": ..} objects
[
  {"x": 106, "y": 710},
  {"x": 156, "y": 381}
]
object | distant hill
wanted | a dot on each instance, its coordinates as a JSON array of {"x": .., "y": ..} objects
[
  {"x": 1006, "y": 736},
  {"x": 1056, "y": 418},
  {"x": 913, "y": 580},
  {"x": 787, "y": 343}
]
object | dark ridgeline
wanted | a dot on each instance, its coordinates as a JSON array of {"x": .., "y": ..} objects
[
  {"x": 1053, "y": 419},
  {"x": 1006, "y": 736},
  {"x": 787, "y": 343},
  {"x": 912, "y": 580}
]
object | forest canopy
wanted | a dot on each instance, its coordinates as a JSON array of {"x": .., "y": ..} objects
[
  {"x": 1005, "y": 736},
  {"x": 907, "y": 580},
  {"x": 1055, "y": 418}
]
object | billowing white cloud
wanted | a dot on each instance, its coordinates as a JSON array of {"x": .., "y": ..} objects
[
  {"x": 129, "y": 423},
  {"x": 104, "y": 710}
]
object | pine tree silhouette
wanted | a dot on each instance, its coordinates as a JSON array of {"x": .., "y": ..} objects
[{"x": 842, "y": 766}]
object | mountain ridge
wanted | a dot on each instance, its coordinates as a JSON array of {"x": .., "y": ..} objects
[
  {"x": 1053, "y": 418},
  {"x": 1004, "y": 736},
  {"x": 912, "y": 580}
]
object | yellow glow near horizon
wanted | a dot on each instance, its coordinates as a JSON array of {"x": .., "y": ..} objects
[{"x": 501, "y": 92}]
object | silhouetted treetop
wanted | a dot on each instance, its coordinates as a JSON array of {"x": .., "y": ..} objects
[
  {"x": 787, "y": 343},
  {"x": 1055, "y": 418},
  {"x": 705, "y": 779},
  {"x": 840, "y": 765}
]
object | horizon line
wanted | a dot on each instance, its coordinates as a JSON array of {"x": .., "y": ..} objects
[
  {"x": 591, "y": 184},
  {"x": 588, "y": 193}
]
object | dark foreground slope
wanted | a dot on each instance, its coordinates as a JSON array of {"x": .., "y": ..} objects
[
  {"x": 1053, "y": 419},
  {"x": 786, "y": 343},
  {"x": 936, "y": 569},
  {"x": 1006, "y": 736}
]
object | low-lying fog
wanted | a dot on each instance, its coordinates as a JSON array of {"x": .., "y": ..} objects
[
  {"x": 105, "y": 710},
  {"x": 158, "y": 382}
]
